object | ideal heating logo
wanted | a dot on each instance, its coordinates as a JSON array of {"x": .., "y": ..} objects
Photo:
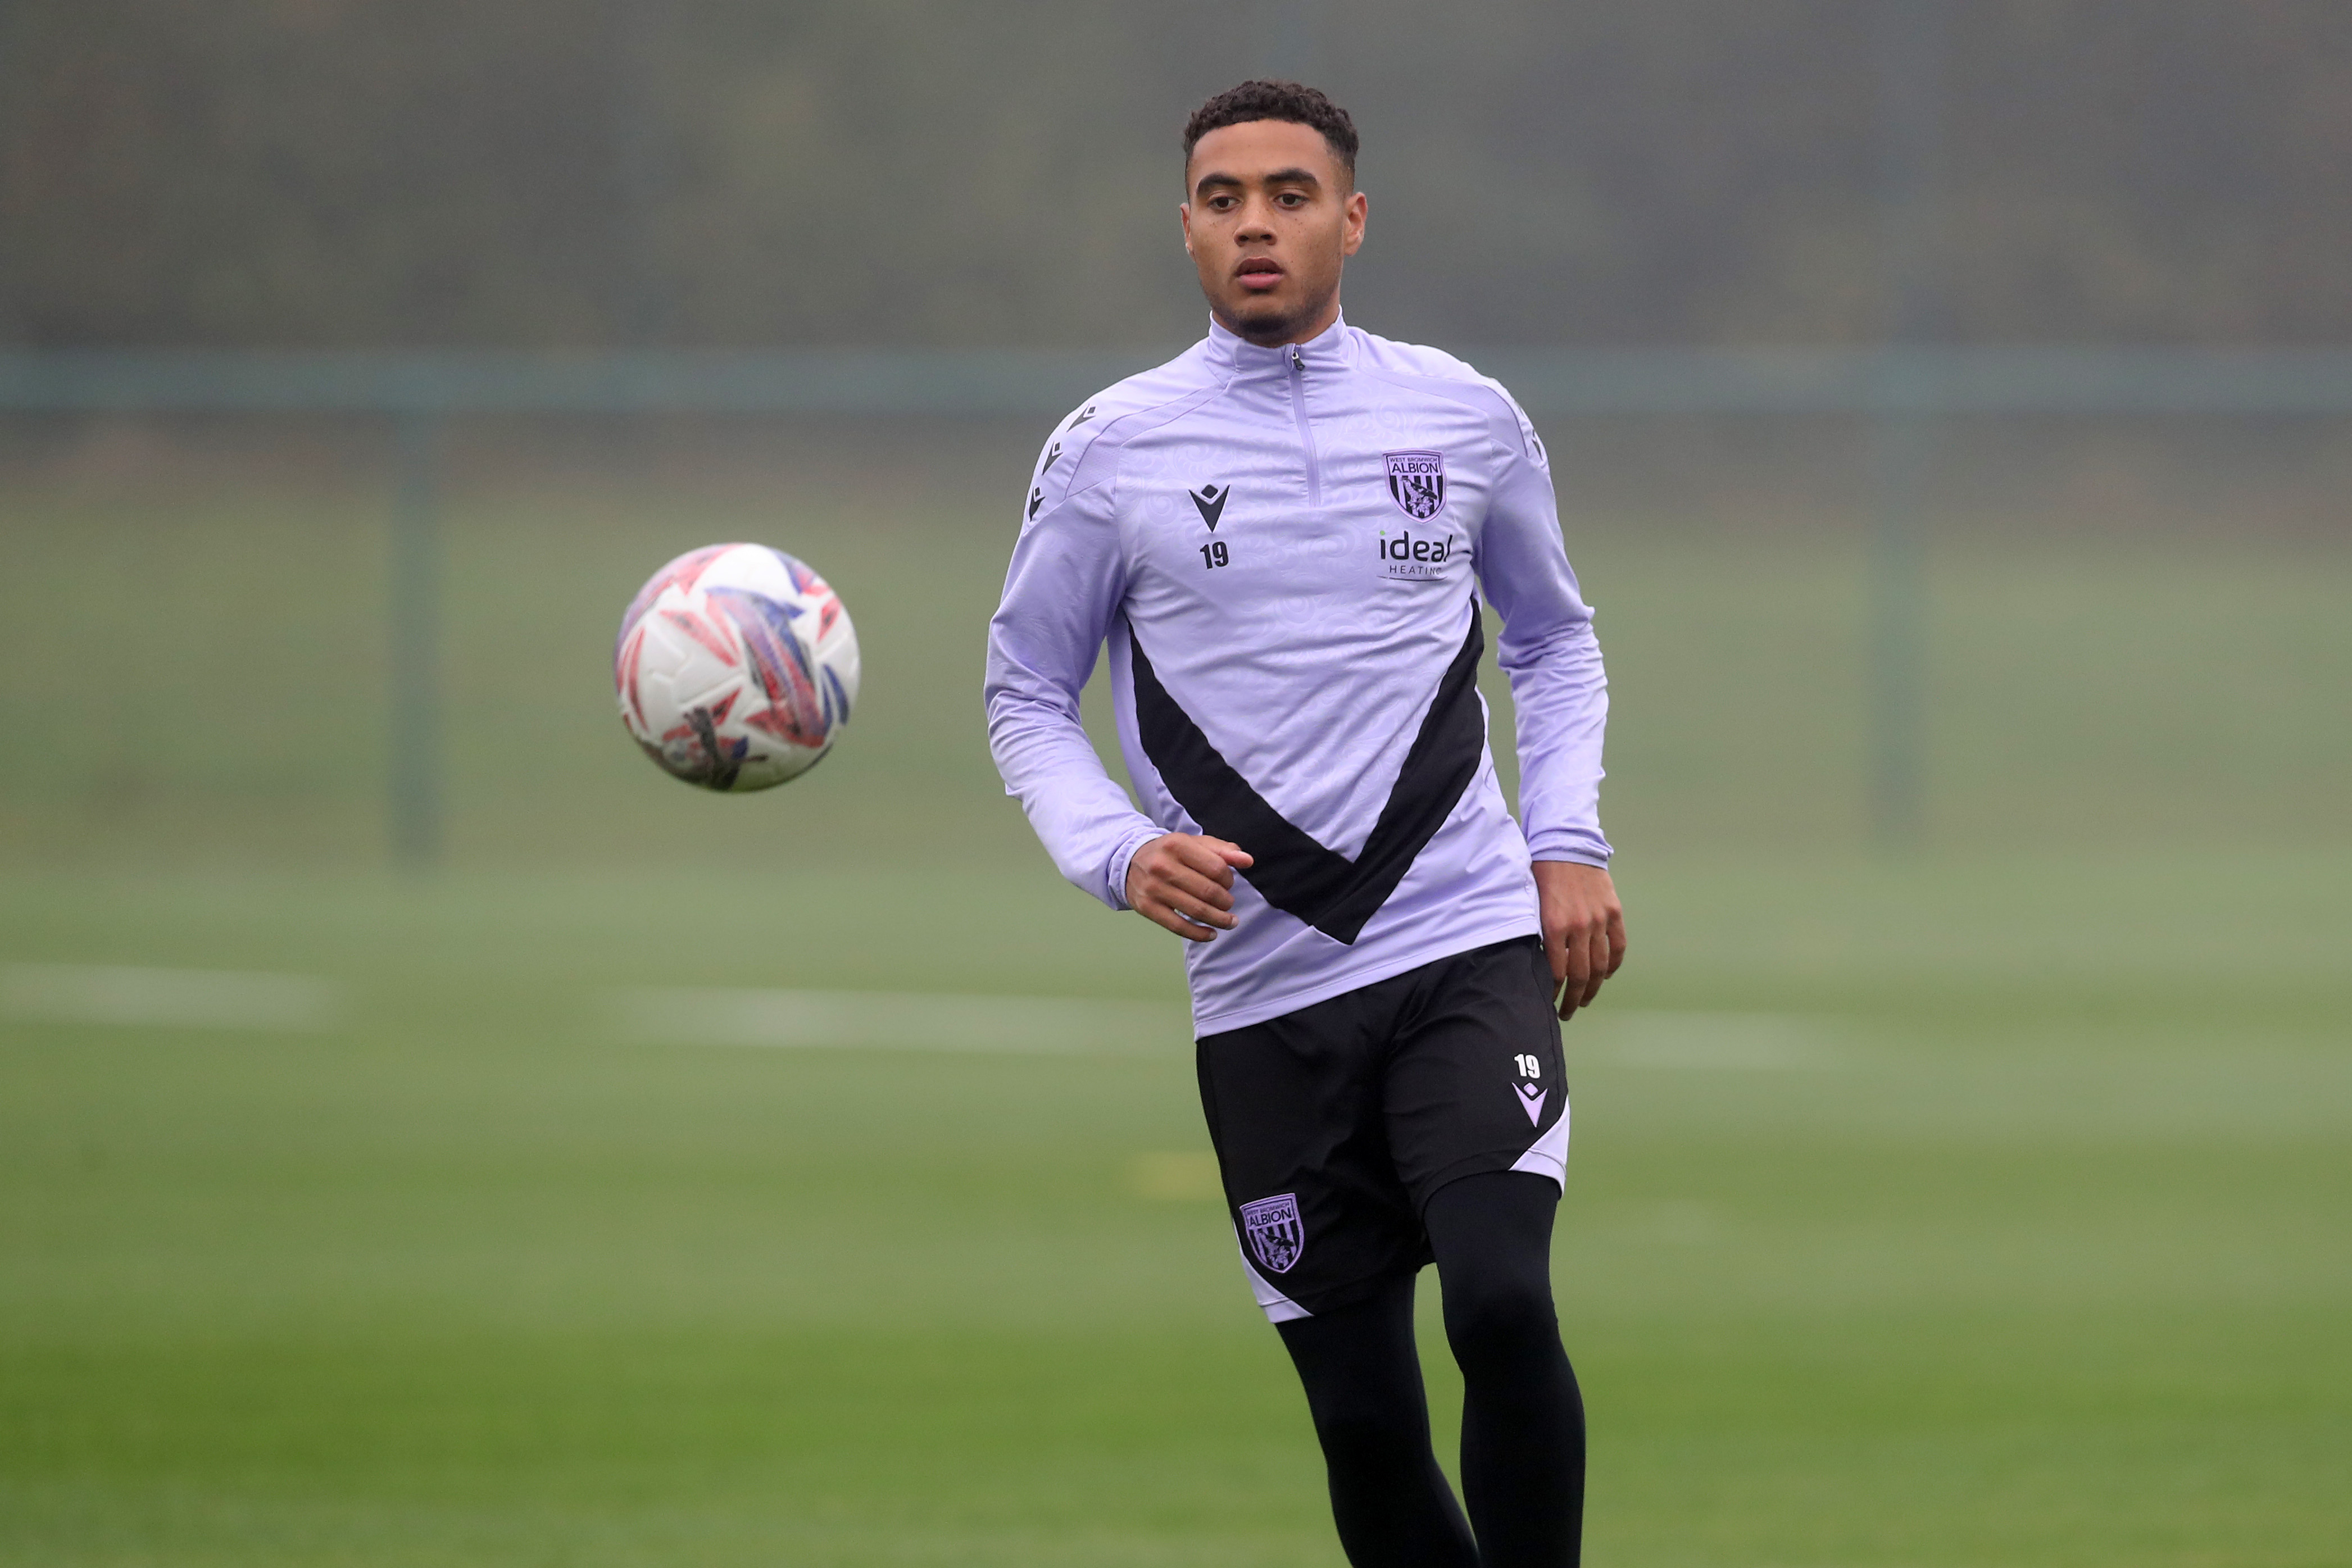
[{"x": 1414, "y": 561}]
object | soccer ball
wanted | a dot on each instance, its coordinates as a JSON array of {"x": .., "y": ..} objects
[{"x": 736, "y": 668}]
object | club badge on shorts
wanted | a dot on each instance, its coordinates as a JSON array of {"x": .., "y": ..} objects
[
  {"x": 1274, "y": 1230},
  {"x": 1417, "y": 483}
]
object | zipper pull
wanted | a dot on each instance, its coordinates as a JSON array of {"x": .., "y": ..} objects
[{"x": 1297, "y": 360}]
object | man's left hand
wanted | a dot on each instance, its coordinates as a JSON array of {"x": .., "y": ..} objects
[{"x": 1583, "y": 929}]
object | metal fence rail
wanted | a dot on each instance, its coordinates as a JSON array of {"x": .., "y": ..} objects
[
  {"x": 1862, "y": 380},
  {"x": 1902, "y": 387}
]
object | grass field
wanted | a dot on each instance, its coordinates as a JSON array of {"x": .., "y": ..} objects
[
  {"x": 1982, "y": 1206},
  {"x": 1887, "y": 1243}
]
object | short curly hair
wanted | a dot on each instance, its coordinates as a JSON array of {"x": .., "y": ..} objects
[{"x": 1275, "y": 101}]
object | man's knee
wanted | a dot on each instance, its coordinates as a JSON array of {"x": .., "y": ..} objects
[
  {"x": 1370, "y": 1409},
  {"x": 1369, "y": 1438},
  {"x": 1496, "y": 1320},
  {"x": 1361, "y": 1377},
  {"x": 1491, "y": 1234},
  {"x": 1515, "y": 1306}
]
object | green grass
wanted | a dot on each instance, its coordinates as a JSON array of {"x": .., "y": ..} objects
[
  {"x": 1937, "y": 1251},
  {"x": 1978, "y": 1208}
]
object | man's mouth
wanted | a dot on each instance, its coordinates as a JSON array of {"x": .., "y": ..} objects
[{"x": 1258, "y": 272}]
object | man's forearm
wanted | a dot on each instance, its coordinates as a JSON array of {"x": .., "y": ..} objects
[
  {"x": 1078, "y": 813},
  {"x": 1559, "y": 693}
]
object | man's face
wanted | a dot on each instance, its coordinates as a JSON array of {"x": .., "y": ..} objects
[{"x": 1271, "y": 218}]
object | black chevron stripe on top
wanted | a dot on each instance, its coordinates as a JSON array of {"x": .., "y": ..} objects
[{"x": 1292, "y": 872}]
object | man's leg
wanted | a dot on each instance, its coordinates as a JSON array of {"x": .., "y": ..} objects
[
  {"x": 1522, "y": 1415},
  {"x": 1371, "y": 1414}
]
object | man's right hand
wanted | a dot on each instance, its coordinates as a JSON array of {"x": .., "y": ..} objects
[{"x": 1185, "y": 882}]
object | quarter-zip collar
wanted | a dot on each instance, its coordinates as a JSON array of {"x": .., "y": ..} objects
[{"x": 1330, "y": 348}]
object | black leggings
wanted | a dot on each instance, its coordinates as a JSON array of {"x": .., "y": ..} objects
[{"x": 1522, "y": 1416}]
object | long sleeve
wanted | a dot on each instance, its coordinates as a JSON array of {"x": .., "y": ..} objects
[
  {"x": 1547, "y": 649},
  {"x": 1067, "y": 581}
]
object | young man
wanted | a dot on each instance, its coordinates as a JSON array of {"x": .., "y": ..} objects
[{"x": 1282, "y": 533}]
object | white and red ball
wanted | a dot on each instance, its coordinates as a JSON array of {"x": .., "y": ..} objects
[{"x": 736, "y": 668}]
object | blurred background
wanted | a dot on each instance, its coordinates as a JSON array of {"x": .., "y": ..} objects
[{"x": 414, "y": 1143}]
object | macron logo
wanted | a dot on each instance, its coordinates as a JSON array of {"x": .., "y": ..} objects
[{"x": 1210, "y": 502}]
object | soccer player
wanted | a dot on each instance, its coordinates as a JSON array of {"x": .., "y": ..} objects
[{"x": 1283, "y": 533}]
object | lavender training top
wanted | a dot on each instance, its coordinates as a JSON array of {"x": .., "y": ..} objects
[{"x": 1283, "y": 547}]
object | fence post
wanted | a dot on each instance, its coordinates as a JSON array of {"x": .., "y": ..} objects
[
  {"x": 1902, "y": 451},
  {"x": 1910, "y": 61},
  {"x": 413, "y": 781}
]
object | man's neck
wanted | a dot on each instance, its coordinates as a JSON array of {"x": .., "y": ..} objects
[{"x": 1276, "y": 337}]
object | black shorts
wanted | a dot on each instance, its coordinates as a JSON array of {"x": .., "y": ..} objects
[{"x": 1335, "y": 1123}]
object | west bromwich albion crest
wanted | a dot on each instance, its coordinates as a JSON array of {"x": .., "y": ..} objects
[
  {"x": 1417, "y": 483},
  {"x": 1274, "y": 1231}
]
